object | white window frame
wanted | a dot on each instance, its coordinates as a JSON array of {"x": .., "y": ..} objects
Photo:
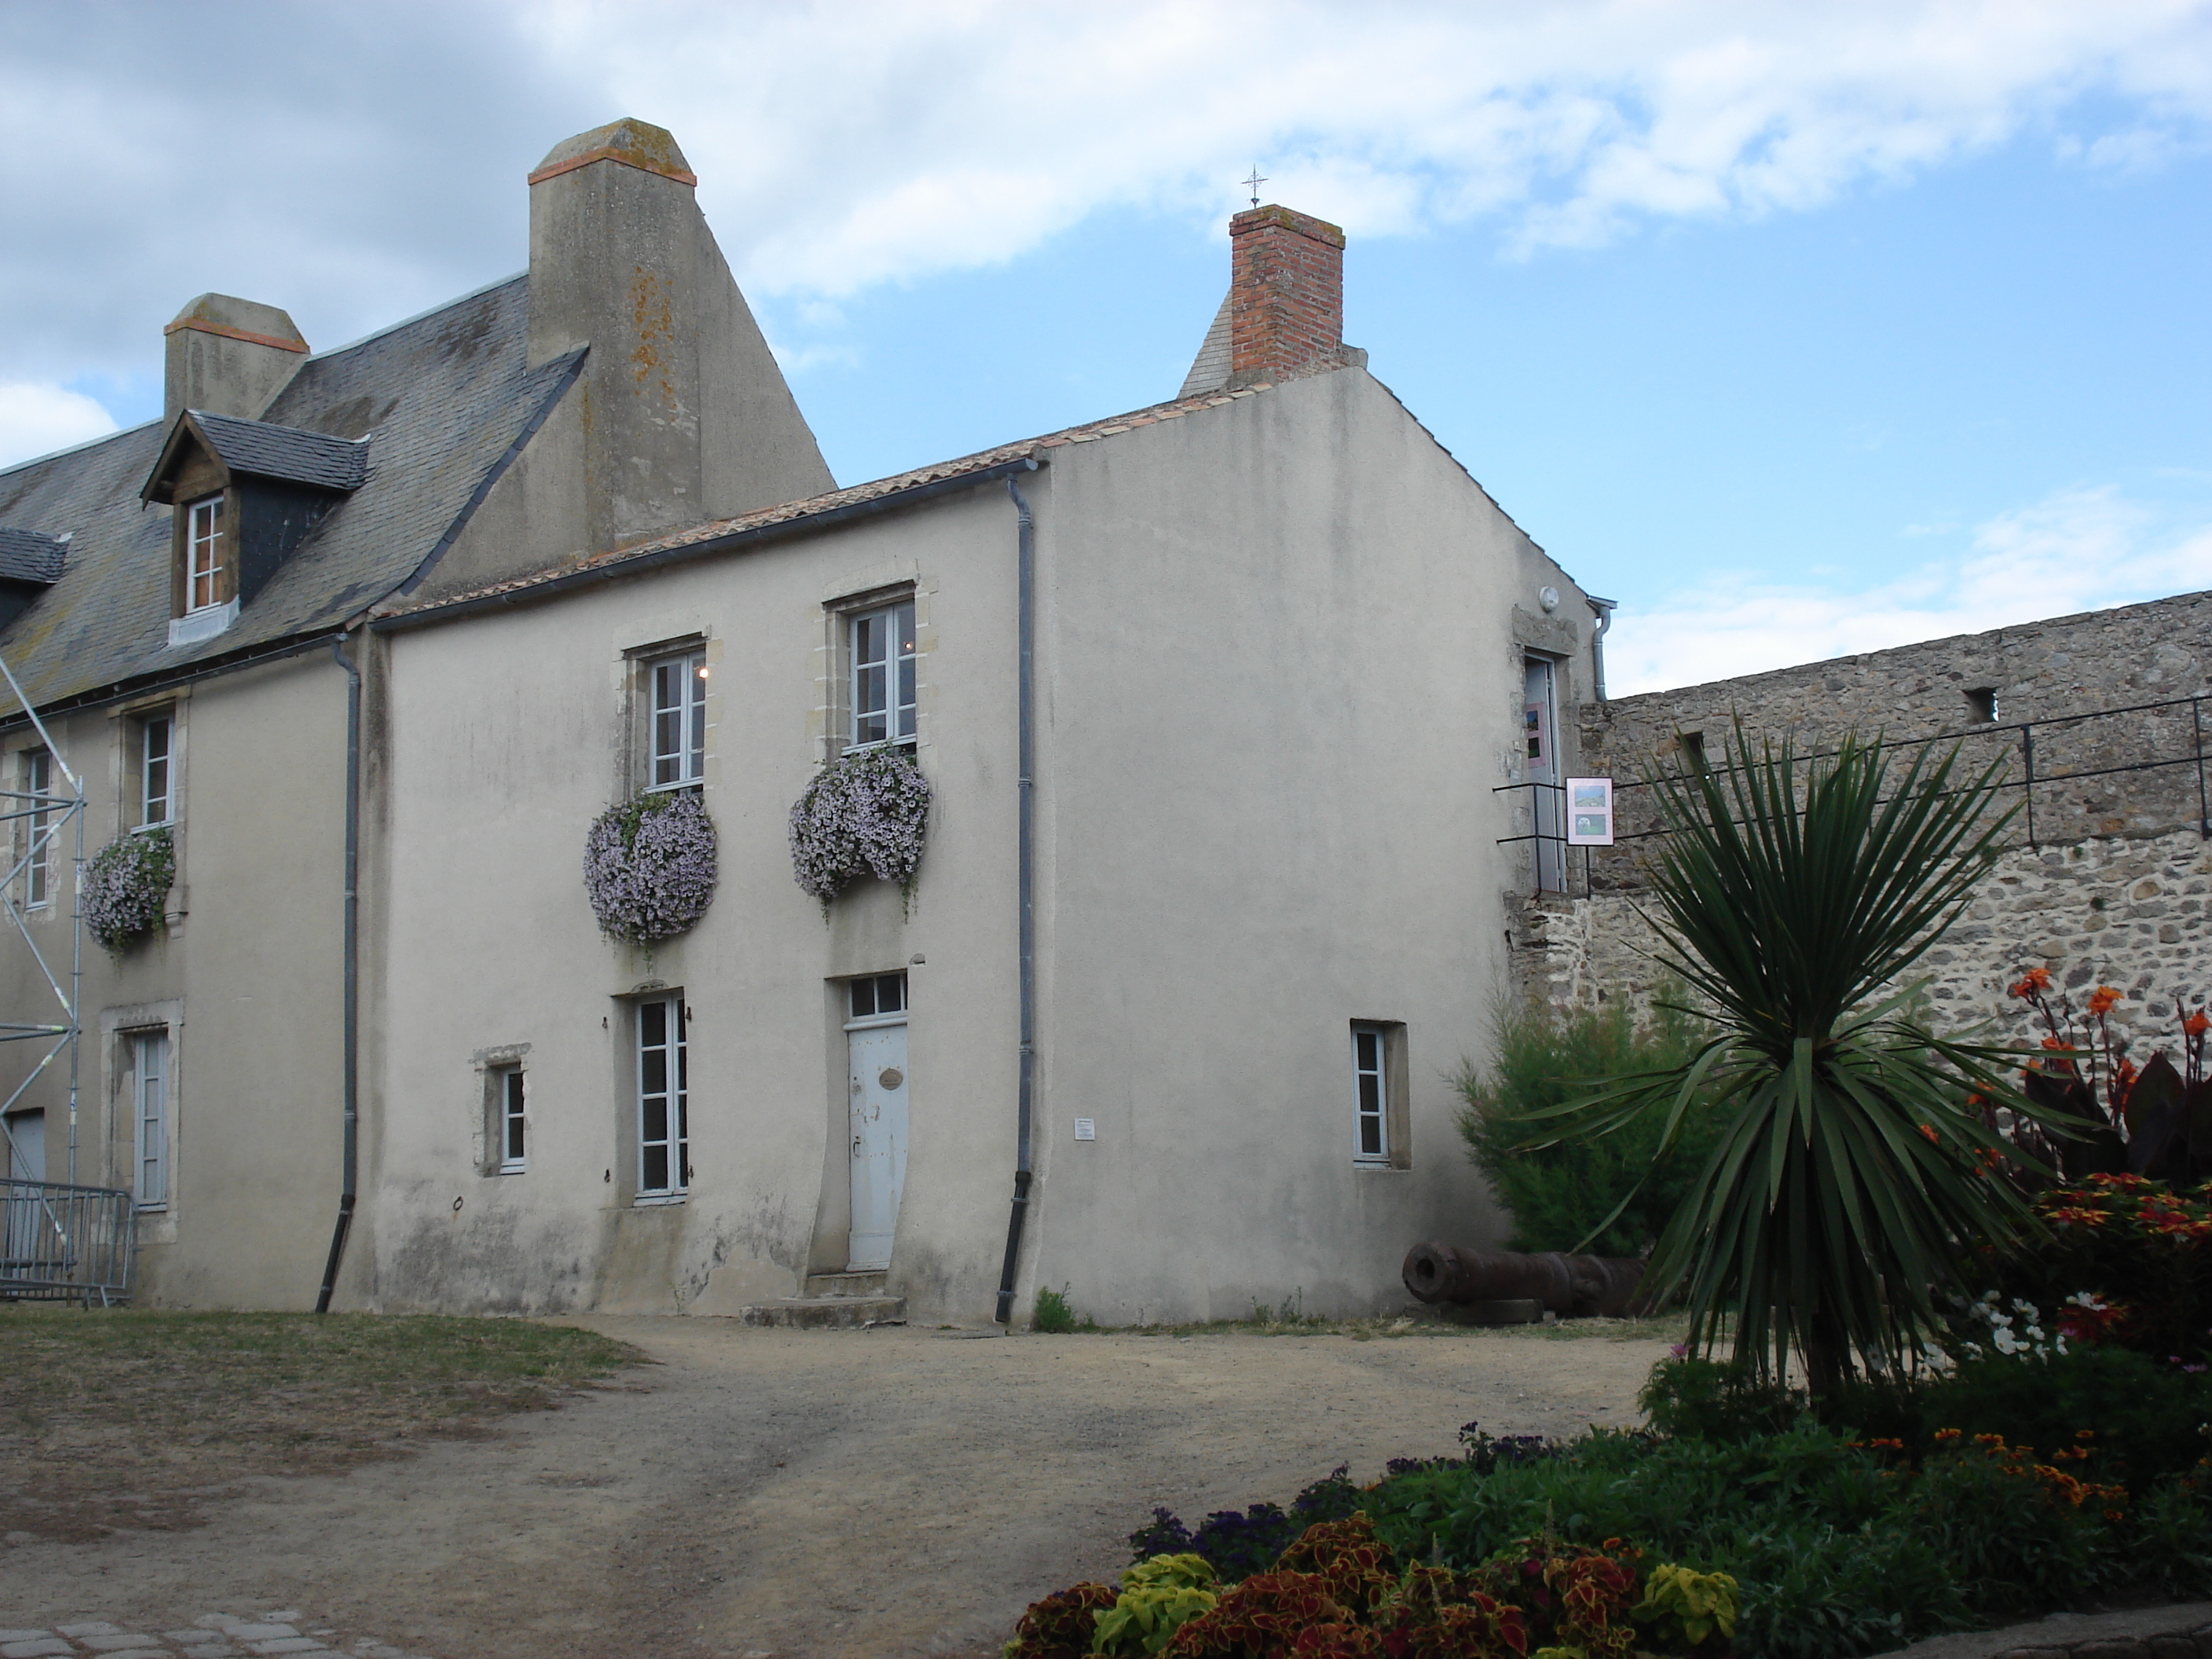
[
  {"x": 149, "y": 1114},
  {"x": 36, "y": 775},
  {"x": 157, "y": 810},
  {"x": 510, "y": 1120},
  {"x": 888, "y": 700},
  {"x": 675, "y": 724},
  {"x": 672, "y": 1095},
  {"x": 203, "y": 532},
  {"x": 1370, "y": 1094},
  {"x": 867, "y": 990}
]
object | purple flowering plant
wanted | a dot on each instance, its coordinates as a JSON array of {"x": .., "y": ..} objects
[
  {"x": 126, "y": 887},
  {"x": 865, "y": 814},
  {"x": 649, "y": 865}
]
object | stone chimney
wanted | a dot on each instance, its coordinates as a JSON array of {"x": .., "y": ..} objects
[
  {"x": 684, "y": 415},
  {"x": 229, "y": 357}
]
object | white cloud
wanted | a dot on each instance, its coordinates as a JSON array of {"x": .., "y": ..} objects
[
  {"x": 37, "y": 419},
  {"x": 877, "y": 140},
  {"x": 2079, "y": 549}
]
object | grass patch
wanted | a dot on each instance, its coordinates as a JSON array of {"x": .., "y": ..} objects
[{"x": 134, "y": 1418}]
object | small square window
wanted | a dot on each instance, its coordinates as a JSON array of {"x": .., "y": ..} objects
[
  {"x": 881, "y": 644},
  {"x": 878, "y": 996},
  {"x": 677, "y": 689},
  {"x": 1982, "y": 701}
]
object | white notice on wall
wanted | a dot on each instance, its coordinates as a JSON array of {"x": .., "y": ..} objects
[
  {"x": 1086, "y": 1129},
  {"x": 1589, "y": 811}
]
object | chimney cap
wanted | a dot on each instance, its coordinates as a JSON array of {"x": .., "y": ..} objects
[
  {"x": 1290, "y": 219},
  {"x": 633, "y": 143},
  {"x": 240, "y": 319}
]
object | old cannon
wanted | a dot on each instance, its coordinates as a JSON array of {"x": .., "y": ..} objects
[{"x": 1450, "y": 1274}]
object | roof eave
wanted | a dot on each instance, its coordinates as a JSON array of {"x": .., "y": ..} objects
[{"x": 708, "y": 547}]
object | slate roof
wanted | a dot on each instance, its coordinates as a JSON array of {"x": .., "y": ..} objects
[
  {"x": 831, "y": 504},
  {"x": 445, "y": 396},
  {"x": 261, "y": 450},
  {"x": 28, "y": 556}
]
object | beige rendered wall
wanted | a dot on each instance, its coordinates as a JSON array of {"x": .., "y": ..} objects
[
  {"x": 247, "y": 977},
  {"x": 1277, "y": 671},
  {"x": 504, "y": 738},
  {"x": 1280, "y": 680}
]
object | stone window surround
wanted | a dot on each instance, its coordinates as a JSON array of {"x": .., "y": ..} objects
[
  {"x": 490, "y": 1065},
  {"x": 119, "y": 1029},
  {"x": 1397, "y": 1115},
  {"x": 830, "y": 728}
]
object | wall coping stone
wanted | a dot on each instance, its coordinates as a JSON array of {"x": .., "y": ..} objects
[{"x": 2139, "y": 1633}]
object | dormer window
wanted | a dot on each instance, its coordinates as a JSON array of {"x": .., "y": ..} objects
[
  {"x": 247, "y": 495},
  {"x": 203, "y": 554}
]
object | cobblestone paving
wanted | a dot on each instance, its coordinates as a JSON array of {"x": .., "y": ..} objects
[{"x": 211, "y": 1636}]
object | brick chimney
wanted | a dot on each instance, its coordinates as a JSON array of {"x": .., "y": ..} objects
[
  {"x": 229, "y": 357},
  {"x": 1285, "y": 295},
  {"x": 1284, "y": 315}
]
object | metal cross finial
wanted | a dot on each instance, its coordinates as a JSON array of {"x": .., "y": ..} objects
[{"x": 1253, "y": 183}]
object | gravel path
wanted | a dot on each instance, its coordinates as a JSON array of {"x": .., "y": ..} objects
[{"x": 793, "y": 1493}]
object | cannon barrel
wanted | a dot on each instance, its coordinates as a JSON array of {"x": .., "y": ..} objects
[{"x": 1437, "y": 1272}]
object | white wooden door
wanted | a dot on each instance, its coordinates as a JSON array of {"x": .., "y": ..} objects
[{"x": 879, "y": 1123}]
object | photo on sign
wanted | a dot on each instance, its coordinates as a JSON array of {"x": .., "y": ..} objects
[{"x": 1589, "y": 811}]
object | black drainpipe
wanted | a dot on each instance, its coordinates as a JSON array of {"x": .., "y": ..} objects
[
  {"x": 352, "y": 974},
  {"x": 1025, "y": 628}
]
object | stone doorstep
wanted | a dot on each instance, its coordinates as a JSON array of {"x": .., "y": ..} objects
[
  {"x": 826, "y": 1313},
  {"x": 2168, "y": 1633},
  {"x": 845, "y": 1284}
]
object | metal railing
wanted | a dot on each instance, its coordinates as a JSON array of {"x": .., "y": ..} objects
[
  {"x": 63, "y": 1243},
  {"x": 2142, "y": 769}
]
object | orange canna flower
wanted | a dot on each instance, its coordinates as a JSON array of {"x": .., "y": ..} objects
[
  {"x": 2197, "y": 1024},
  {"x": 2029, "y": 983},
  {"x": 1929, "y": 1131},
  {"x": 2056, "y": 1042},
  {"x": 2103, "y": 1000}
]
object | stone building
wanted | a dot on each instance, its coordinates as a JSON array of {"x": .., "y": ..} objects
[
  {"x": 1207, "y": 915},
  {"x": 2096, "y": 725}
]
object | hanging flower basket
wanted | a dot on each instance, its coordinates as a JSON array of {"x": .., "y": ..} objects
[
  {"x": 865, "y": 814},
  {"x": 649, "y": 866},
  {"x": 126, "y": 887}
]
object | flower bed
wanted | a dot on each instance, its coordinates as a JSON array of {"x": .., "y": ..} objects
[
  {"x": 1802, "y": 1542},
  {"x": 649, "y": 866},
  {"x": 126, "y": 888}
]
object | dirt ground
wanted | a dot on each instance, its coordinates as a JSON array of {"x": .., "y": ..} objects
[{"x": 879, "y": 1492}]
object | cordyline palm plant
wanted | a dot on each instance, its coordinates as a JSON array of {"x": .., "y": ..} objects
[{"x": 1852, "y": 1163}]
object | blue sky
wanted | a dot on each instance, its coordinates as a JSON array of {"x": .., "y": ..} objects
[{"x": 1797, "y": 331}]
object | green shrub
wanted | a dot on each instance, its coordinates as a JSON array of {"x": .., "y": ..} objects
[
  {"x": 1055, "y": 1315},
  {"x": 1558, "y": 1195},
  {"x": 1716, "y": 1399},
  {"x": 2148, "y": 1414}
]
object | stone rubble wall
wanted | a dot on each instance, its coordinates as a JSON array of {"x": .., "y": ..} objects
[{"x": 2113, "y": 889}]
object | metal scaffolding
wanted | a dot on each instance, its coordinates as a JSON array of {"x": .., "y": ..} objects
[{"x": 60, "y": 1240}]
